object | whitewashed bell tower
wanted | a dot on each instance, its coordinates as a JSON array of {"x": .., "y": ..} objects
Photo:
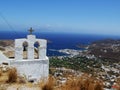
[{"x": 25, "y": 57}]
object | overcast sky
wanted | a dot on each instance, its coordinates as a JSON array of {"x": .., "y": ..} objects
[{"x": 78, "y": 16}]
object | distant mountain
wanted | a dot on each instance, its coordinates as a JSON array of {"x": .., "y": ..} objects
[
  {"x": 5, "y": 43},
  {"x": 7, "y": 47},
  {"x": 107, "y": 49}
]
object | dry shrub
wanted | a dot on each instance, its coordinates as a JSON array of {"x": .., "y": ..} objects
[
  {"x": 49, "y": 85},
  {"x": 98, "y": 86},
  {"x": 0, "y": 73},
  {"x": 12, "y": 75},
  {"x": 82, "y": 83}
]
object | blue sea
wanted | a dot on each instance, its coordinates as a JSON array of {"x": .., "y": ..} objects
[{"x": 57, "y": 41}]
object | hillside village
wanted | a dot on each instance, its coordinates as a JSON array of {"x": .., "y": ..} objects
[{"x": 99, "y": 59}]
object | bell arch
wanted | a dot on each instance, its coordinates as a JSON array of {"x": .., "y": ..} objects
[
  {"x": 36, "y": 50},
  {"x": 25, "y": 49}
]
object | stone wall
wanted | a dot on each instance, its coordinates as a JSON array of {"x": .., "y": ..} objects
[{"x": 32, "y": 69}]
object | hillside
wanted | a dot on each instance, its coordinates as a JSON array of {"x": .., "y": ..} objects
[{"x": 106, "y": 49}]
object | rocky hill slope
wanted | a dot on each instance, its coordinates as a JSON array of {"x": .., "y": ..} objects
[
  {"x": 7, "y": 47},
  {"x": 107, "y": 49}
]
